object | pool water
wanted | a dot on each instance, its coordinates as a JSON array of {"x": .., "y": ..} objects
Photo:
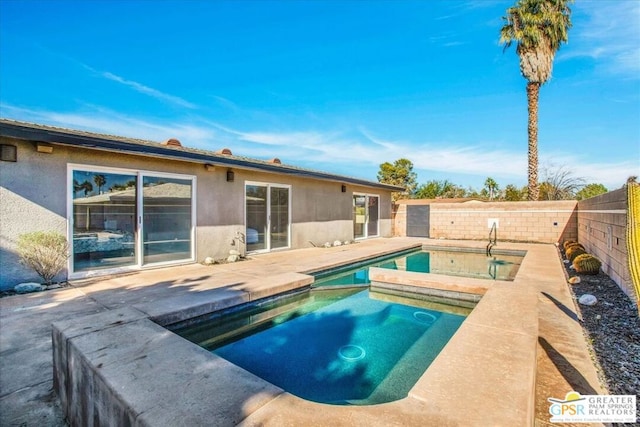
[
  {"x": 475, "y": 264},
  {"x": 340, "y": 346}
]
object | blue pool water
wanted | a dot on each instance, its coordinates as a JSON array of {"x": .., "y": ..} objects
[
  {"x": 355, "y": 349},
  {"x": 448, "y": 262}
]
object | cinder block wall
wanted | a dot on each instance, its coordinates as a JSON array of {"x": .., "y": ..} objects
[
  {"x": 539, "y": 222},
  {"x": 602, "y": 222}
]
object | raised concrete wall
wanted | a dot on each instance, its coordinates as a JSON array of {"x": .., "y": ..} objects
[
  {"x": 33, "y": 195},
  {"x": 120, "y": 367},
  {"x": 539, "y": 222},
  {"x": 602, "y": 223}
]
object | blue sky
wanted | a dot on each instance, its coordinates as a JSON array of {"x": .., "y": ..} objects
[{"x": 339, "y": 86}]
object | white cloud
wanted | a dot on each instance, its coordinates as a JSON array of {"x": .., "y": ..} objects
[
  {"x": 358, "y": 149},
  {"x": 610, "y": 35},
  {"x": 138, "y": 87},
  {"x": 612, "y": 175},
  {"x": 148, "y": 91},
  {"x": 108, "y": 122},
  {"x": 365, "y": 148}
]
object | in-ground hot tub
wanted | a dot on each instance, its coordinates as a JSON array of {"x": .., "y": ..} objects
[{"x": 348, "y": 346}]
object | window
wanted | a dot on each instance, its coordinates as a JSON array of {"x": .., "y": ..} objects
[{"x": 114, "y": 225}]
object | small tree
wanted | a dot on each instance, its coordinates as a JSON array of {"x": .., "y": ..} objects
[
  {"x": 514, "y": 194},
  {"x": 46, "y": 252},
  {"x": 559, "y": 184},
  {"x": 399, "y": 173},
  {"x": 433, "y": 189},
  {"x": 591, "y": 190}
]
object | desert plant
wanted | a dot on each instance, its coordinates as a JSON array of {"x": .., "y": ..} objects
[
  {"x": 587, "y": 264},
  {"x": 46, "y": 252},
  {"x": 568, "y": 243},
  {"x": 574, "y": 245},
  {"x": 574, "y": 251}
]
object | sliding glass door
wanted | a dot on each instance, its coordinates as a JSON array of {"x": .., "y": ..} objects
[
  {"x": 366, "y": 213},
  {"x": 167, "y": 219},
  {"x": 279, "y": 217},
  {"x": 373, "y": 213},
  {"x": 359, "y": 216},
  {"x": 257, "y": 217},
  {"x": 103, "y": 220},
  {"x": 114, "y": 225},
  {"x": 267, "y": 216}
]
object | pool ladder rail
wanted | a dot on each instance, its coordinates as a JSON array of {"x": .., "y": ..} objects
[{"x": 493, "y": 238}]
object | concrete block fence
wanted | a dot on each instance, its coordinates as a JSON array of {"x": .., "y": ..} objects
[
  {"x": 532, "y": 222},
  {"x": 602, "y": 225},
  {"x": 599, "y": 223}
]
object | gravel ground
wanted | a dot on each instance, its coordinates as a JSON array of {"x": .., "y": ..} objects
[{"x": 612, "y": 328}]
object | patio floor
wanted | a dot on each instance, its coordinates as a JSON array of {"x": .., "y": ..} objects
[{"x": 26, "y": 382}]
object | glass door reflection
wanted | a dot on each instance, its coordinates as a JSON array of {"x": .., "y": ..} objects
[
  {"x": 104, "y": 220},
  {"x": 167, "y": 222}
]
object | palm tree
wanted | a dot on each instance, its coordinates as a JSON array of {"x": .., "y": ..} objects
[
  {"x": 538, "y": 27},
  {"x": 100, "y": 181},
  {"x": 87, "y": 187},
  {"x": 492, "y": 186}
]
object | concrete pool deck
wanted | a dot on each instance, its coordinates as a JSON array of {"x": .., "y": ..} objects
[{"x": 505, "y": 330}]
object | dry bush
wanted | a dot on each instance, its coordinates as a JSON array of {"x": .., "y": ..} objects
[{"x": 46, "y": 252}]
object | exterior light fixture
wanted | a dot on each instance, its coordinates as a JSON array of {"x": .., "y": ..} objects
[
  {"x": 44, "y": 148},
  {"x": 344, "y": 188},
  {"x": 230, "y": 176}
]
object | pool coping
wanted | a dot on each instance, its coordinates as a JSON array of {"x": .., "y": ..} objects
[{"x": 114, "y": 366}]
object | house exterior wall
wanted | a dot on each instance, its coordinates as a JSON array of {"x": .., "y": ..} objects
[
  {"x": 33, "y": 196},
  {"x": 31, "y": 199},
  {"x": 540, "y": 222},
  {"x": 602, "y": 224}
]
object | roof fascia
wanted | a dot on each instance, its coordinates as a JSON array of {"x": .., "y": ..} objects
[{"x": 60, "y": 137}]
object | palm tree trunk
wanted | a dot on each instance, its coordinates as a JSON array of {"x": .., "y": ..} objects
[{"x": 533, "y": 91}]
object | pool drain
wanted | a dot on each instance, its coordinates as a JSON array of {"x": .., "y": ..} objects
[
  {"x": 351, "y": 352},
  {"x": 424, "y": 317}
]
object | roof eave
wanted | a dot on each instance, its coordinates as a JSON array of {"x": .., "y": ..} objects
[{"x": 95, "y": 142}]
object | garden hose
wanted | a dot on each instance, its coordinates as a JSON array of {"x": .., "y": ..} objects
[{"x": 633, "y": 236}]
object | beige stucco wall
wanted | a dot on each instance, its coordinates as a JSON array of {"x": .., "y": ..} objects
[
  {"x": 542, "y": 222},
  {"x": 29, "y": 201},
  {"x": 602, "y": 222},
  {"x": 33, "y": 195}
]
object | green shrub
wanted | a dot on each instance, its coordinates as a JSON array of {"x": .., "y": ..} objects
[
  {"x": 587, "y": 264},
  {"x": 46, "y": 252}
]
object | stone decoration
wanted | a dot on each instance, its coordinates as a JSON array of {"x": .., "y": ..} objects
[
  {"x": 27, "y": 287},
  {"x": 587, "y": 299}
]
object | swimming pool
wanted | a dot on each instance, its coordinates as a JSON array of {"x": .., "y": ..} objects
[
  {"x": 501, "y": 265},
  {"x": 343, "y": 346}
]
